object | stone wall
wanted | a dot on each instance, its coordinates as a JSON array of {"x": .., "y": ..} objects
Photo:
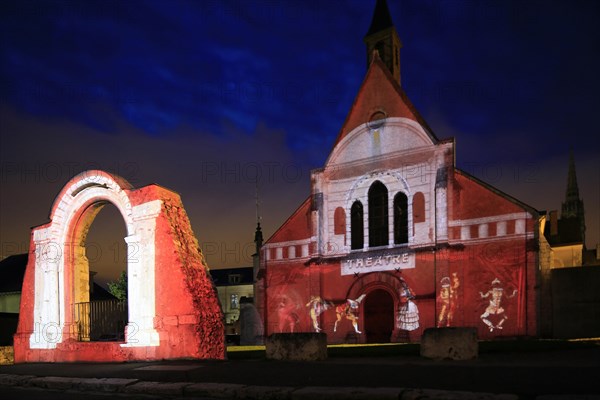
[
  {"x": 576, "y": 302},
  {"x": 450, "y": 343}
]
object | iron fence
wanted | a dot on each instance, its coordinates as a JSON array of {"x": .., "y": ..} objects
[{"x": 102, "y": 320}]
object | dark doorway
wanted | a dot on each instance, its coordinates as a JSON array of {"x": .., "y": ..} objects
[{"x": 379, "y": 316}]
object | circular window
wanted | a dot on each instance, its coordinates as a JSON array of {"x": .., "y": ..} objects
[{"x": 377, "y": 120}]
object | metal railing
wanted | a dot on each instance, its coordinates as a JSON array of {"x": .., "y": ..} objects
[{"x": 102, "y": 320}]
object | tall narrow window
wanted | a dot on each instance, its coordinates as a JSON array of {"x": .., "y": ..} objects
[
  {"x": 400, "y": 219},
  {"x": 378, "y": 215},
  {"x": 356, "y": 226},
  {"x": 339, "y": 221}
]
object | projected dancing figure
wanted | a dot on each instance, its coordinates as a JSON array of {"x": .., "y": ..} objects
[
  {"x": 317, "y": 306},
  {"x": 495, "y": 305},
  {"x": 408, "y": 312},
  {"x": 349, "y": 310}
]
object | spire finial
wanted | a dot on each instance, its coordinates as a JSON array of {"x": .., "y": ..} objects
[
  {"x": 258, "y": 237},
  {"x": 382, "y": 36},
  {"x": 572, "y": 188}
]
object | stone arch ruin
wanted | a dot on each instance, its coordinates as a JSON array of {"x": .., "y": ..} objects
[{"x": 179, "y": 318}]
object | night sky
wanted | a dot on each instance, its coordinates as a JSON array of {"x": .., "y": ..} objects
[{"x": 208, "y": 97}]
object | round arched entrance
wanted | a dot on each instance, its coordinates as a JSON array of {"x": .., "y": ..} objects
[
  {"x": 378, "y": 316},
  {"x": 180, "y": 318}
]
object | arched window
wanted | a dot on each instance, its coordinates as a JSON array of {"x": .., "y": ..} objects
[
  {"x": 418, "y": 208},
  {"x": 357, "y": 240},
  {"x": 339, "y": 221},
  {"x": 378, "y": 215},
  {"x": 380, "y": 47},
  {"x": 400, "y": 219}
]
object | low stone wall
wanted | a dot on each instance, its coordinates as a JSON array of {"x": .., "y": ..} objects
[
  {"x": 7, "y": 355},
  {"x": 450, "y": 343},
  {"x": 575, "y": 301},
  {"x": 296, "y": 346}
]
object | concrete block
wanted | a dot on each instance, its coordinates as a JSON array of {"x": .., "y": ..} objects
[
  {"x": 450, "y": 343},
  {"x": 302, "y": 346}
]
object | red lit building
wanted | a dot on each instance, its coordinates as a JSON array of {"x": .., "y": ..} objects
[{"x": 393, "y": 237}]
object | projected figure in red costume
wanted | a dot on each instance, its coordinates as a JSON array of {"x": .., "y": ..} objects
[
  {"x": 408, "y": 313},
  {"x": 349, "y": 310},
  {"x": 317, "y": 306},
  {"x": 495, "y": 306},
  {"x": 448, "y": 300},
  {"x": 286, "y": 310}
]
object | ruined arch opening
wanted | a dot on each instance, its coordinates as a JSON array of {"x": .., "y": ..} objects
[{"x": 99, "y": 257}]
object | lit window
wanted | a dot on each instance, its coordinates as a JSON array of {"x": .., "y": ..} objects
[{"x": 234, "y": 302}]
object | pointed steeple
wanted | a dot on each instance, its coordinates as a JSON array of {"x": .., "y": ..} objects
[
  {"x": 383, "y": 38},
  {"x": 572, "y": 188},
  {"x": 258, "y": 236},
  {"x": 572, "y": 207}
]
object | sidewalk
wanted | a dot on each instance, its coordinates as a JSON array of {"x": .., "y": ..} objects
[{"x": 548, "y": 375}]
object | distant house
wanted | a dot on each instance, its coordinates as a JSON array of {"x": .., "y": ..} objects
[
  {"x": 12, "y": 271},
  {"x": 233, "y": 284}
]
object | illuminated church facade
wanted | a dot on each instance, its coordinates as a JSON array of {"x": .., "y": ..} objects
[{"x": 394, "y": 238}]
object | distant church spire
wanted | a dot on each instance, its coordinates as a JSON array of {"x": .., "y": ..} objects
[
  {"x": 572, "y": 188},
  {"x": 382, "y": 36},
  {"x": 258, "y": 237},
  {"x": 572, "y": 207}
]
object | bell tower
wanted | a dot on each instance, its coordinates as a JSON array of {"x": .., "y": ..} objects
[{"x": 382, "y": 36}]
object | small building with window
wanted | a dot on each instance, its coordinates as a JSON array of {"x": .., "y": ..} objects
[
  {"x": 394, "y": 237},
  {"x": 232, "y": 284}
]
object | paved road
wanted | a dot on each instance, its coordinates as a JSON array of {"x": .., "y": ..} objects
[
  {"x": 527, "y": 375},
  {"x": 20, "y": 393}
]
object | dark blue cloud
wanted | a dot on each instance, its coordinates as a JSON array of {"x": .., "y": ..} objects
[{"x": 486, "y": 67}]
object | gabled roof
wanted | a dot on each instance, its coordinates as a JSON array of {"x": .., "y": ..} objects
[
  {"x": 12, "y": 271},
  {"x": 569, "y": 232},
  {"x": 296, "y": 227},
  {"x": 534, "y": 212},
  {"x": 379, "y": 91},
  {"x": 99, "y": 293},
  {"x": 221, "y": 276}
]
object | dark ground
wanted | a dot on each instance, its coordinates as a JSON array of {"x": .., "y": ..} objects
[{"x": 527, "y": 369}]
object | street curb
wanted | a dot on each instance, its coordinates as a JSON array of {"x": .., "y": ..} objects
[{"x": 252, "y": 392}]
